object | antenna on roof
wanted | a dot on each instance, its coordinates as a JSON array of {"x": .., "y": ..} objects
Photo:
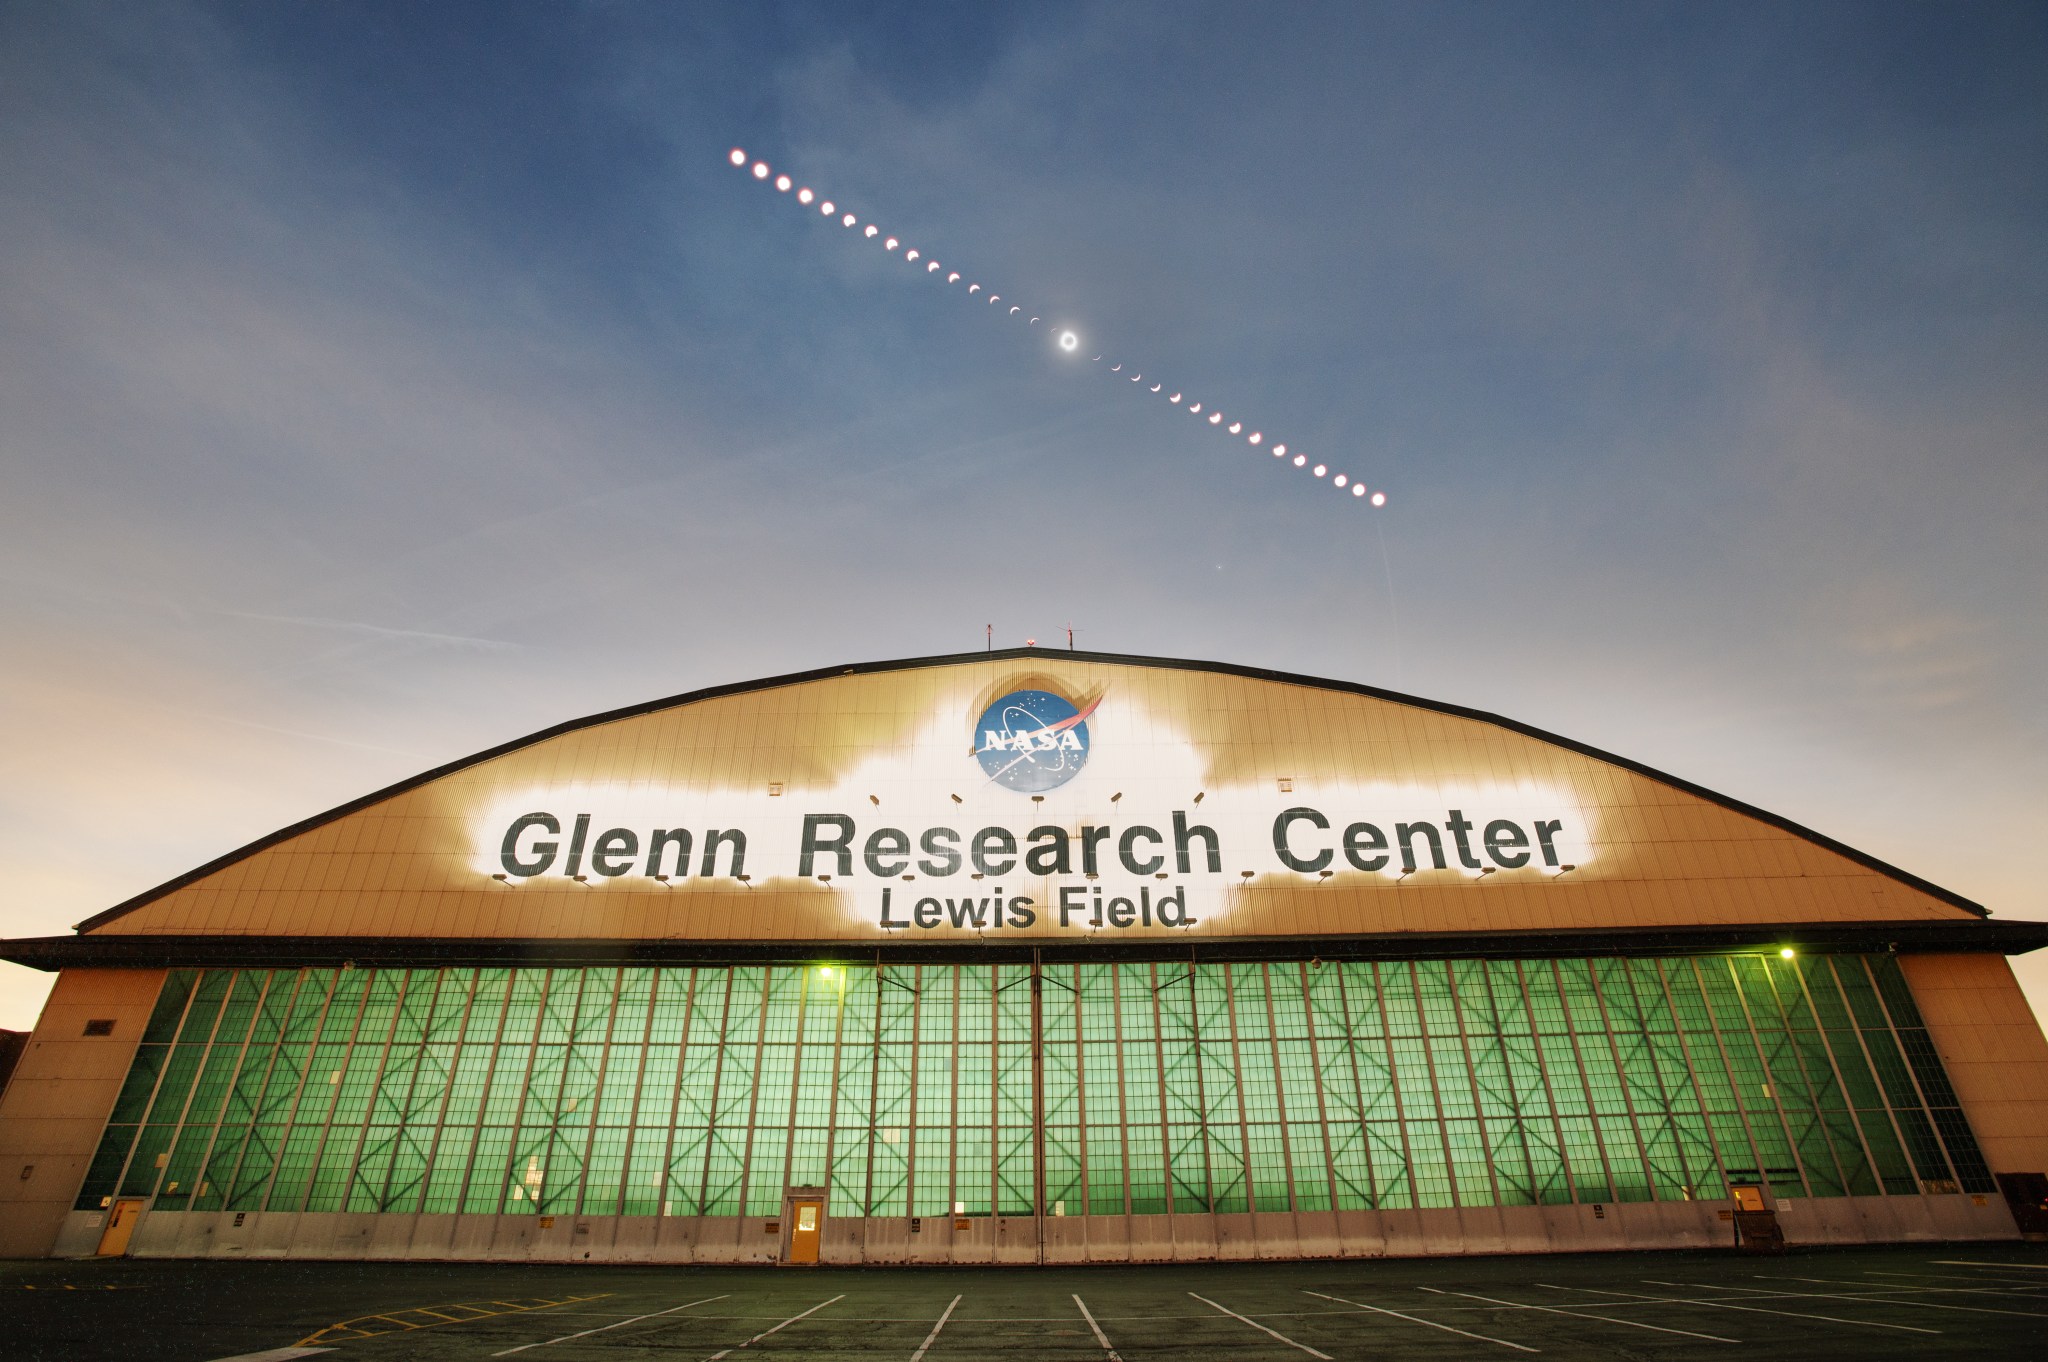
[
  {"x": 1070, "y": 638},
  {"x": 991, "y": 638}
]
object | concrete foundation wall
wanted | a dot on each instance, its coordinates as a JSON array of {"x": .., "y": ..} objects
[
  {"x": 1016, "y": 1240},
  {"x": 56, "y": 1106}
]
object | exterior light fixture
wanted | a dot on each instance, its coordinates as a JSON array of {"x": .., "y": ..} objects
[
  {"x": 824, "y": 879},
  {"x": 954, "y": 798},
  {"x": 875, "y": 800},
  {"x": 1484, "y": 871},
  {"x": 581, "y": 879},
  {"x": 1246, "y": 874},
  {"x": 1324, "y": 874},
  {"x": 1786, "y": 953},
  {"x": 502, "y": 878},
  {"x": 1115, "y": 797},
  {"x": 1199, "y": 795}
]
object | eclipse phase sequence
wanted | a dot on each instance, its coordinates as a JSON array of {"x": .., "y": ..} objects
[{"x": 1067, "y": 340}]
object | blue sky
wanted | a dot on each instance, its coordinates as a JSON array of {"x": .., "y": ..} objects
[{"x": 380, "y": 382}]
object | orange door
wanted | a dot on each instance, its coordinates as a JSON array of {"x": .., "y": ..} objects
[
  {"x": 1748, "y": 1198},
  {"x": 120, "y": 1224},
  {"x": 804, "y": 1234}
]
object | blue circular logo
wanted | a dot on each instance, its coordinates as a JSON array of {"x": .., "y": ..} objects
[{"x": 1032, "y": 741}]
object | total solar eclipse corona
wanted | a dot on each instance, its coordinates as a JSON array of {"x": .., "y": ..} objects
[{"x": 1028, "y": 957}]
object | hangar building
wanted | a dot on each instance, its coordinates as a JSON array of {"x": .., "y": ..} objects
[{"x": 1025, "y": 957}]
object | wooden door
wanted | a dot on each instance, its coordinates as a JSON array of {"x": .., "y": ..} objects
[
  {"x": 805, "y": 1232},
  {"x": 120, "y": 1225}
]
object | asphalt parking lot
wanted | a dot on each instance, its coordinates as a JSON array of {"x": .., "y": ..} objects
[{"x": 1864, "y": 1304}]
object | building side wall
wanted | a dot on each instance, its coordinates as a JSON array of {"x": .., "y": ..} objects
[
  {"x": 1021, "y": 1240},
  {"x": 56, "y": 1105},
  {"x": 1992, "y": 1046}
]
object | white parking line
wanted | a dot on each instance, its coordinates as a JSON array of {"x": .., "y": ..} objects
[
  {"x": 1751, "y": 1309},
  {"x": 777, "y": 1329},
  {"x": 1111, "y": 1352},
  {"x": 619, "y": 1324},
  {"x": 1263, "y": 1329},
  {"x": 1414, "y": 1319},
  {"x": 1767, "y": 1294},
  {"x": 2005, "y": 1293},
  {"x": 1972, "y": 1262},
  {"x": 273, "y": 1355},
  {"x": 933, "y": 1336},
  {"x": 1587, "y": 1314}
]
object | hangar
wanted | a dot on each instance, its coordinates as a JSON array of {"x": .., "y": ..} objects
[{"x": 1027, "y": 957}]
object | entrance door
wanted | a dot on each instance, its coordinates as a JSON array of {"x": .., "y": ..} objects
[
  {"x": 120, "y": 1224},
  {"x": 805, "y": 1231},
  {"x": 1747, "y": 1198}
]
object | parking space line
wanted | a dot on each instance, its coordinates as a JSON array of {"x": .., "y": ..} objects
[
  {"x": 1768, "y": 1294},
  {"x": 1972, "y": 1262},
  {"x": 1750, "y": 1309},
  {"x": 1263, "y": 1329},
  {"x": 1416, "y": 1319},
  {"x": 1587, "y": 1314},
  {"x": 1099, "y": 1337},
  {"x": 2006, "y": 1283},
  {"x": 777, "y": 1329},
  {"x": 933, "y": 1336},
  {"x": 1999, "y": 1291},
  {"x": 618, "y": 1324}
]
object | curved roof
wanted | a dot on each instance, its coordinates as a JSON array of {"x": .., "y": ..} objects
[{"x": 1308, "y": 738}]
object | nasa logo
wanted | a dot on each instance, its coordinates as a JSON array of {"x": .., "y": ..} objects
[{"x": 1032, "y": 741}]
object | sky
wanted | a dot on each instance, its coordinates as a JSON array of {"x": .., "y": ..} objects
[{"x": 381, "y": 382}]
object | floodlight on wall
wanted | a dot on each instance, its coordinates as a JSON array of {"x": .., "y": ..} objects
[
  {"x": 662, "y": 880},
  {"x": 583, "y": 880},
  {"x": 1246, "y": 874},
  {"x": 1199, "y": 795},
  {"x": 1115, "y": 797},
  {"x": 974, "y": 875},
  {"x": 502, "y": 878},
  {"x": 875, "y": 800},
  {"x": 955, "y": 798},
  {"x": 824, "y": 879},
  {"x": 908, "y": 878},
  {"x": 1786, "y": 952},
  {"x": 1160, "y": 876},
  {"x": 1324, "y": 874},
  {"x": 1564, "y": 869},
  {"x": 1484, "y": 871}
]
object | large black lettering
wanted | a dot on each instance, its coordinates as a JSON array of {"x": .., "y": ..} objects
[
  {"x": 887, "y": 852},
  {"x": 1091, "y": 838},
  {"x": 1504, "y": 841},
  {"x": 971, "y": 912},
  {"x": 993, "y": 842},
  {"x": 1459, "y": 826},
  {"x": 508, "y": 854},
  {"x": 1127, "y": 853},
  {"x": 605, "y": 856},
  {"x": 1184, "y": 836},
  {"x": 1048, "y": 853},
  {"x": 1545, "y": 830},
  {"x": 1320, "y": 861},
  {"x": 716, "y": 838},
  {"x": 944, "y": 845},
  {"x": 817, "y": 843},
  {"x": 574, "y": 869},
  {"x": 665, "y": 837},
  {"x": 1360, "y": 839},
  {"x": 1404, "y": 833}
]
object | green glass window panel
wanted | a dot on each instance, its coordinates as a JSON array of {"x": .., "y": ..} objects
[
  {"x": 162, "y": 1027},
  {"x": 103, "y": 1173}
]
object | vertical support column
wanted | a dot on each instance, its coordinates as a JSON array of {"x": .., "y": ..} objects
[{"x": 1038, "y": 1105}]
